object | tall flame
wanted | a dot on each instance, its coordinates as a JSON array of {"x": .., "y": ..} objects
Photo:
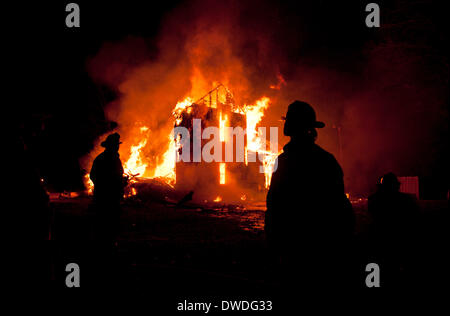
[
  {"x": 166, "y": 169},
  {"x": 89, "y": 184},
  {"x": 255, "y": 141},
  {"x": 179, "y": 108},
  {"x": 254, "y": 114},
  {"x": 268, "y": 164},
  {"x": 222, "y": 173},
  {"x": 223, "y": 119},
  {"x": 135, "y": 165}
]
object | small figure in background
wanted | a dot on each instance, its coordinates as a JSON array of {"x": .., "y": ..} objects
[{"x": 394, "y": 216}]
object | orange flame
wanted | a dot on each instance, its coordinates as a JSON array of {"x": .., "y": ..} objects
[
  {"x": 135, "y": 164},
  {"x": 222, "y": 172},
  {"x": 268, "y": 164},
  {"x": 255, "y": 141},
  {"x": 223, "y": 122},
  {"x": 180, "y": 107},
  {"x": 254, "y": 114},
  {"x": 166, "y": 169},
  {"x": 89, "y": 184}
]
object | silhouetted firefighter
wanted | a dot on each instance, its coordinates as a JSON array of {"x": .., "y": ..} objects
[
  {"x": 309, "y": 220},
  {"x": 394, "y": 216},
  {"x": 107, "y": 176}
]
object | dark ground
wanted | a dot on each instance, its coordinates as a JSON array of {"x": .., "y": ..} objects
[
  {"x": 179, "y": 252},
  {"x": 182, "y": 250}
]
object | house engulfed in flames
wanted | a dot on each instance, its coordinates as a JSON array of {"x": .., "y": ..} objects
[
  {"x": 217, "y": 181},
  {"x": 228, "y": 180}
]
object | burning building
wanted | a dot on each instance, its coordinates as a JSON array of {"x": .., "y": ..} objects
[
  {"x": 245, "y": 176},
  {"x": 233, "y": 178}
]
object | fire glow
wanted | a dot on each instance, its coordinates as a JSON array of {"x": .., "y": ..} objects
[
  {"x": 223, "y": 122},
  {"x": 222, "y": 171},
  {"x": 137, "y": 164}
]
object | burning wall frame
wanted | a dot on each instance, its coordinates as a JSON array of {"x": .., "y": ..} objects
[{"x": 230, "y": 180}]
